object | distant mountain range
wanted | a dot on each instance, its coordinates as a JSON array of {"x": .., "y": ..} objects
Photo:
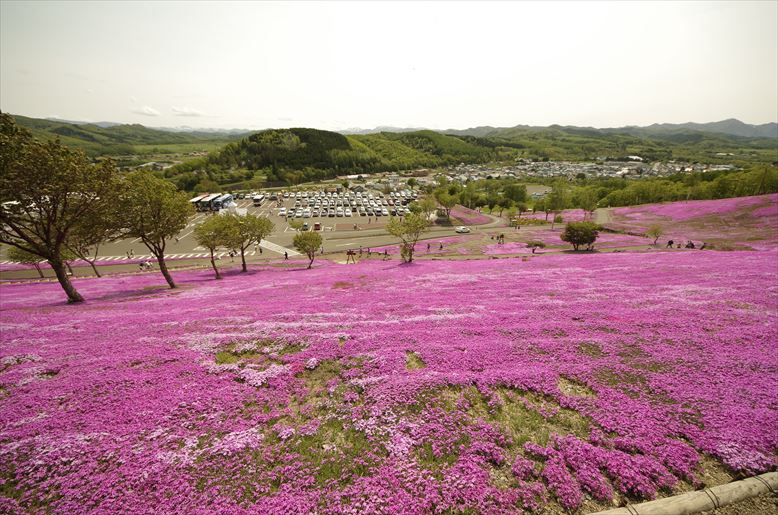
[{"x": 731, "y": 127}]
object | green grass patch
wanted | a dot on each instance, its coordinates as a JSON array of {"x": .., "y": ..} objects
[{"x": 413, "y": 361}]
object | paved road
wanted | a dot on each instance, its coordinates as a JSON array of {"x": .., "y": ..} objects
[{"x": 338, "y": 234}]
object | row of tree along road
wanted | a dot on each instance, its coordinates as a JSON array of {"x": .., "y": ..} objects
[{"x": 55, "y": 204}]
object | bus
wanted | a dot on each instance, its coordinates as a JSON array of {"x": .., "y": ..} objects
[
  {"x": 206, "y": 203},
  {"x": 221, "y": 202},
  {"x": 258, "y": 199},
  {"x": 197, "y": 199}
]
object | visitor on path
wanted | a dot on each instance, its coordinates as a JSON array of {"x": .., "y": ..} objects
[
  {"x": 386, "y": 254},
  {"x": 260, "y": 250},
  {"x": 360, "y": 251},
  {"x": 351, "y": 256},
  {"x": 428, "y": 247},
  {"x": 286, "y": 255},
  {"x": 321, "y": 249},
  {"x": 441, "y": 247},
  {"x": 690, "y": 244},
  {"x": 670, "y": 244}
]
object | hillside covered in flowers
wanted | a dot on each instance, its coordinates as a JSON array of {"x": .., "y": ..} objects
[{"x": 543, "y": 383}]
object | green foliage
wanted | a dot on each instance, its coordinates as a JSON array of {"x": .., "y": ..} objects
[
  {"x": 308, "y": 243},
  {"x": 581, "y": 233},
  {"x": 48, "y": 192},
  {"x": 152, "y": 210},
  {"x": 446, "y": 200},
  {"x": 244, "y": 231},
  {"x": 409, "y": 229},
  {"x": 655, "y": 231},
  {"x": 120, "y": 139},
  {"x": 216, "y": 231},
  {"x": 536, "y": 244}
]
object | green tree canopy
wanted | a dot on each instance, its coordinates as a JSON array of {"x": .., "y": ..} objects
[
  {"x": 47, "y": 192},
  {"x": 151, "y": 209},
  {"x": 308, "y": 243},
  {"x": 581, "y": 233},
  {"x": 409, "y": 230},
  {"x": 215, "y": 232},
  {"x": 246, "y": 231}
]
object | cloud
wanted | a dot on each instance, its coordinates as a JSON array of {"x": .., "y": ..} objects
[
  {"x": 186, "y": 111},
  {"x": 146, "y": 111}
]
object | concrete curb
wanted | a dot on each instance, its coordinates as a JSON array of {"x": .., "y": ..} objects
[{"x": 703, "y": 500}]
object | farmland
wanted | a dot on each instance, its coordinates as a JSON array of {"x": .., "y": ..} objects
[{"x": 553, "y": 382}]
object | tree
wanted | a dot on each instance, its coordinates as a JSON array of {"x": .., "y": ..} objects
[
  {"x": 446, "y": 200},
  {"x": 213, "y": 233},
  {"x": 154, "y": 211},
  {"x": 521, "y": 207},
  {"x": 246, "y": 231},
  {"x": 581, "y": 233},
  {"x": 85, "y": 240},
  {"x": 515, "y": 192},
  {"x": 424, "y": 207},
  {"x": 412, "y": 183},
  {"x": 505, "y": 203},
  {"x": 558, "y": 199},
  {"x": 409, "y": 230},
  {"x": 345, "y": 185},
  {"x": 206, "y": 185},
  {"x": 655, "y": 231},
  {"x": 511, "y": 214},
  {"x": 295, "y": 224},
  {"x": 308, "y": 243},
  {"x": 586, "y": 199},
  {"x": 24, "y": 257},
  {"x": 47, "y": 191}
]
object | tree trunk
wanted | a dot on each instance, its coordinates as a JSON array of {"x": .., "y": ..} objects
[
  {"x": 64, "y": 281},
  {"x": 38, "y": 268},
  {"x": 243, "y": 259},
  {"x": 92, "y": 264},
  {"x": 163, "y": 269},
  {"x": 311, "y": 256},
  {"x": 213, "y": 264}
]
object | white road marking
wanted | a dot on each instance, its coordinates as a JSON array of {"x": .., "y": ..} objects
[
  {"x": 269, "y": 245},
  {"x": 135, "y": 240}
]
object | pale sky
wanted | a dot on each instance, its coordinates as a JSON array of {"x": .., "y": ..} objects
[{"x": 334, "y": 65}]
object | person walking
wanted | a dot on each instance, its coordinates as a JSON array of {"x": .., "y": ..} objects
[{"x": 286, "y": 255}]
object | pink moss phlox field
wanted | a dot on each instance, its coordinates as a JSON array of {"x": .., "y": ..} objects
[
  {"x": 741, "y": 221},
  {"x": 385, "y": 388},
  {"x": 469, "y": 216},
  {"x": 568, "y": 215}
]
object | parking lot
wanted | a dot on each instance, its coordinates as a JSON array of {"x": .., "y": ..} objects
[{"x": 361, "y": 226}]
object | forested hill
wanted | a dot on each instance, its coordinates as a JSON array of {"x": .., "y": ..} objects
[
  {"x": 121, "y": 139},
  {"x": 299, "y": 155}
]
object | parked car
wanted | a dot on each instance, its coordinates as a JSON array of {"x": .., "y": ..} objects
[{"x": 282, "y": 211}]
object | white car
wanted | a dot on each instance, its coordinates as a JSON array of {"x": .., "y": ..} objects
[
  {"x": 462, "y": 229},
  {"x": 347, "y": 212},
  {"x": 282, "y": 211}
]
